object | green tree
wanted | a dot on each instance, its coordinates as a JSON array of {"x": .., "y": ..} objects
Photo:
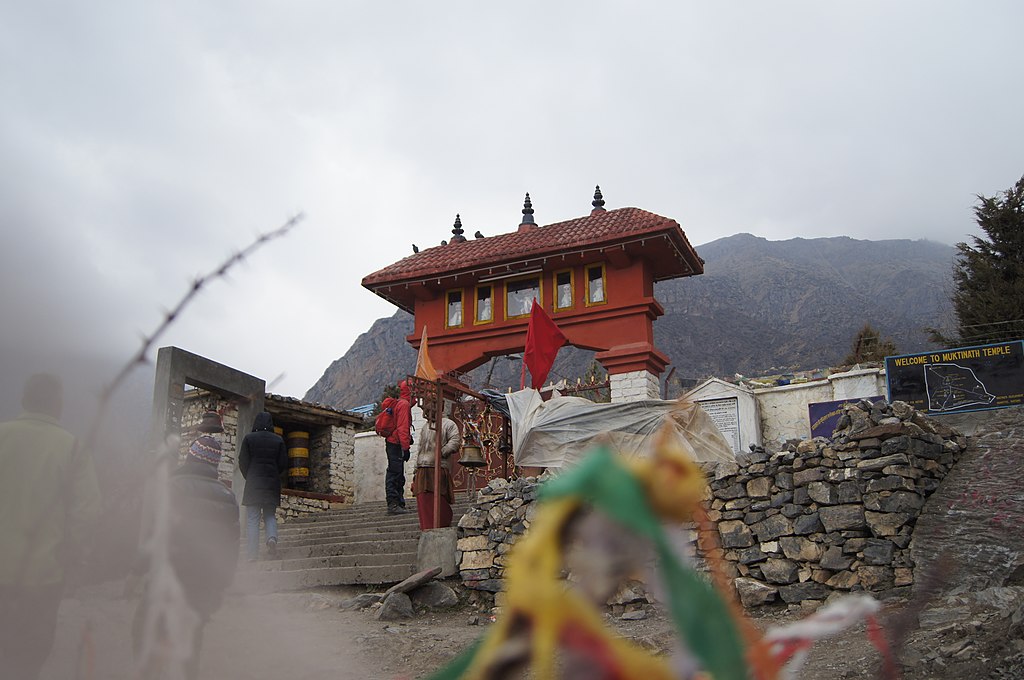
[
  {"x": 869, "y": 346},
  {"x": 988, "y": 274}
]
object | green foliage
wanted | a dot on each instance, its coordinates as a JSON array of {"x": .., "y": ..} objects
[
  {"x": 989, "y": 274},
  {"x": 868, "y": 345}
]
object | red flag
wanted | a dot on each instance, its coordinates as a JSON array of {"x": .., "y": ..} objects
[{"x": 543, "y": 338}]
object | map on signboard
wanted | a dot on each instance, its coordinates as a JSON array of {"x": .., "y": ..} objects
[{"x": 950, "y": 387}]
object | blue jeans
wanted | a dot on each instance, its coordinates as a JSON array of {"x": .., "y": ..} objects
[{"x": 252, "y": 527}]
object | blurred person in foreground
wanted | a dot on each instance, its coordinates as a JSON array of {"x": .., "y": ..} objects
[
  {"x": 262, "y": 459},
  {"x": 423, "y": 478},
  {"x": 49, "y": 498},
  {"x": 202, "y": 542}
]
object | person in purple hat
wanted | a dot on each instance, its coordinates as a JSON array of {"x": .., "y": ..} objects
[{"x": 203, "y": 543}]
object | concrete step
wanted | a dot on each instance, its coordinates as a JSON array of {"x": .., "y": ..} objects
[
  {"x": 302, "y": 551},
  {"x": 374, "y": 509},
  {"x": 349, "y": 536},
  {"x": 362, "y": 545},
  {"x": 259, "y": 581},
  {"x": 337, "y": 561}
]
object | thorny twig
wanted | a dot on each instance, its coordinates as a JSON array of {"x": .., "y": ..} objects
[{"x": 140, "y": 357}]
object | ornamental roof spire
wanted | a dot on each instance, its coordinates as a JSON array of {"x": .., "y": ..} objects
[
  {"x": 598, "y": 201},
  {"x": 527, "y": 222},
  {"x": 457, "y": 236}
]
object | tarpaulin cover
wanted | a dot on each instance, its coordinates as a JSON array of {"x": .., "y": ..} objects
[{"x": 558, "y": 432}]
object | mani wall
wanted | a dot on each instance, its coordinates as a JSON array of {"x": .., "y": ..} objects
[{"x": 821, "y": 516}]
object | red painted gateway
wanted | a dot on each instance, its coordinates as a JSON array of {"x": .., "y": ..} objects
[{"x": 594, "y": 276}]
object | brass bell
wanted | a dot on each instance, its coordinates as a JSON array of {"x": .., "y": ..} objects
[{"x": 472, "y": 456}]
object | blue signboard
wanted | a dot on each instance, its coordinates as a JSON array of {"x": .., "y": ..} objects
[
  {"x": 959, "y": 380},
  {"x": 825, "y": 415}
]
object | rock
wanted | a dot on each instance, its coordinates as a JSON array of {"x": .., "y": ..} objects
[
  {"x": 773, "y": 527},
  {"x": 413, "y": 581},
  {"x": 750, "y": 555},
  {"x": 883, "y": 462},
  {"x": 473, "y": 519},
  {"x": 807, "y": 524},
  {"x": 823, "y": 493},
  {"x": 834, "y": 559},
  {"x": 886, "y": 523},
  {"x": 434, "y": 595},
  {"x": 939, "y": 617},
  {"x": 800, "y": 549},
  {"x": 838, "y": 517},
  {"x": 360, "y": 601},
  {"x": 843, "y": 580},
  {"x": 890, "y": 483},
  {"x": 780, "y": 571},
  {"x": 875, "y": 578},
  {"x": 469, "y": 543},
  {"x": 477, "y": 559},
  {"x": 753, "y": 593},
  {"x": 395, "y": 606},
  {"x": 798, "y": 592},
  {"x": 878, "y": 552},
  {"x": 804, "y": 477},
  {"x": 634, "y": 615},
  {"x": 759, "y": 487},
  {"x": 735, "y": 534}
]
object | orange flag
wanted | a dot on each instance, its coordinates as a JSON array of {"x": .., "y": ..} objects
[
  {"x": 543, "y": 338},
  {"x": 424, "y": 367}
]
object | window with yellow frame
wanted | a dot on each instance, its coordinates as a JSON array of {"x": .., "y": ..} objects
[
  {"x": 564, "y": 298},
  {"x": 597, "y": 291},
  {"x": 453, "y": 309},
  {"x": 483, "y": 309},
  {"x": 520, "y": 294}
]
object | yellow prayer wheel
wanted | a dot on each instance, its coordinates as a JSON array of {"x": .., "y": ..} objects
[{"x": 298, "y": 458}]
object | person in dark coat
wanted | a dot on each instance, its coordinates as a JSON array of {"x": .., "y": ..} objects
[
  {"x": 202, "y": 545},
  {"x": 262, "y": 459}
]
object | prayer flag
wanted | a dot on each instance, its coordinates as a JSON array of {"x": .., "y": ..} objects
[
  {"x": 543, "y": 338},
  {"x": 424, "y": 367}
]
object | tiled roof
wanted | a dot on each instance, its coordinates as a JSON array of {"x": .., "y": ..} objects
[{"x": 597, "y": 229}]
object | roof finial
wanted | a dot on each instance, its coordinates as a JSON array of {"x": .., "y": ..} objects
[
  {"x": 457, "y": 236},
  {"x": 527, "y": 222},
  {"x": 598, "y": 201}
]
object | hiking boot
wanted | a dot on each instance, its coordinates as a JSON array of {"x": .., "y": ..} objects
[
  {"x": 395, "y": 509},
  {"x": 272, "y": 548}
]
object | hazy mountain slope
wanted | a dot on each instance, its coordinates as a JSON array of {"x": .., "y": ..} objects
[{"x": 759, "y": 305}]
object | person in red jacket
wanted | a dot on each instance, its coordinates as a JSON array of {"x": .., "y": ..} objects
[{"x": 397, "y": 446}]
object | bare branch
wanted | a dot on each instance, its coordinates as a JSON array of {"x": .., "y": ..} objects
[{"x": 140, "y": 357}]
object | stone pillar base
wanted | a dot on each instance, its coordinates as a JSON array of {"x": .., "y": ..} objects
[{"x": 634, "y": 386}]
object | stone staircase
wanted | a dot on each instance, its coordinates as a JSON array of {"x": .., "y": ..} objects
[{"x": 360, "y": 545}]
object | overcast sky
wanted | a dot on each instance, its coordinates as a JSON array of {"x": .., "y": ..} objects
[{"x": 142, "y": 143}]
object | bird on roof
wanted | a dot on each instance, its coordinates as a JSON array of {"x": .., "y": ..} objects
[
  {"x": 478, "y": 234},
  {"x": 415, "y": 248}
]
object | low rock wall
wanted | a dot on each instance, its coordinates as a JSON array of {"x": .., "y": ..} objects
[
  {"x": 297, "y": 504},
  {"x": 818, "y": 517}
]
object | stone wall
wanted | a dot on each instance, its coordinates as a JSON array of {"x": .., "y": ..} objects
[
  {"x": 832, "y": 515},
  {"x": 340, "y": 442},
  {"x": 298, "y": 504},
  {"x": 819, "y": 517}
]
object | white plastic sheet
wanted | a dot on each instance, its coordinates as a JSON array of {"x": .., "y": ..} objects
[{"x": 558, "y": 432}]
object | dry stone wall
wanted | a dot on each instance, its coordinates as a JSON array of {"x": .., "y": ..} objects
[
  {"x": 832, "y": 515},
  {"x": 820, "y": 516}
]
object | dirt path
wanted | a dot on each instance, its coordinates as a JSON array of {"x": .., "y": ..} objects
[{"x": 298, "y": 636}]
